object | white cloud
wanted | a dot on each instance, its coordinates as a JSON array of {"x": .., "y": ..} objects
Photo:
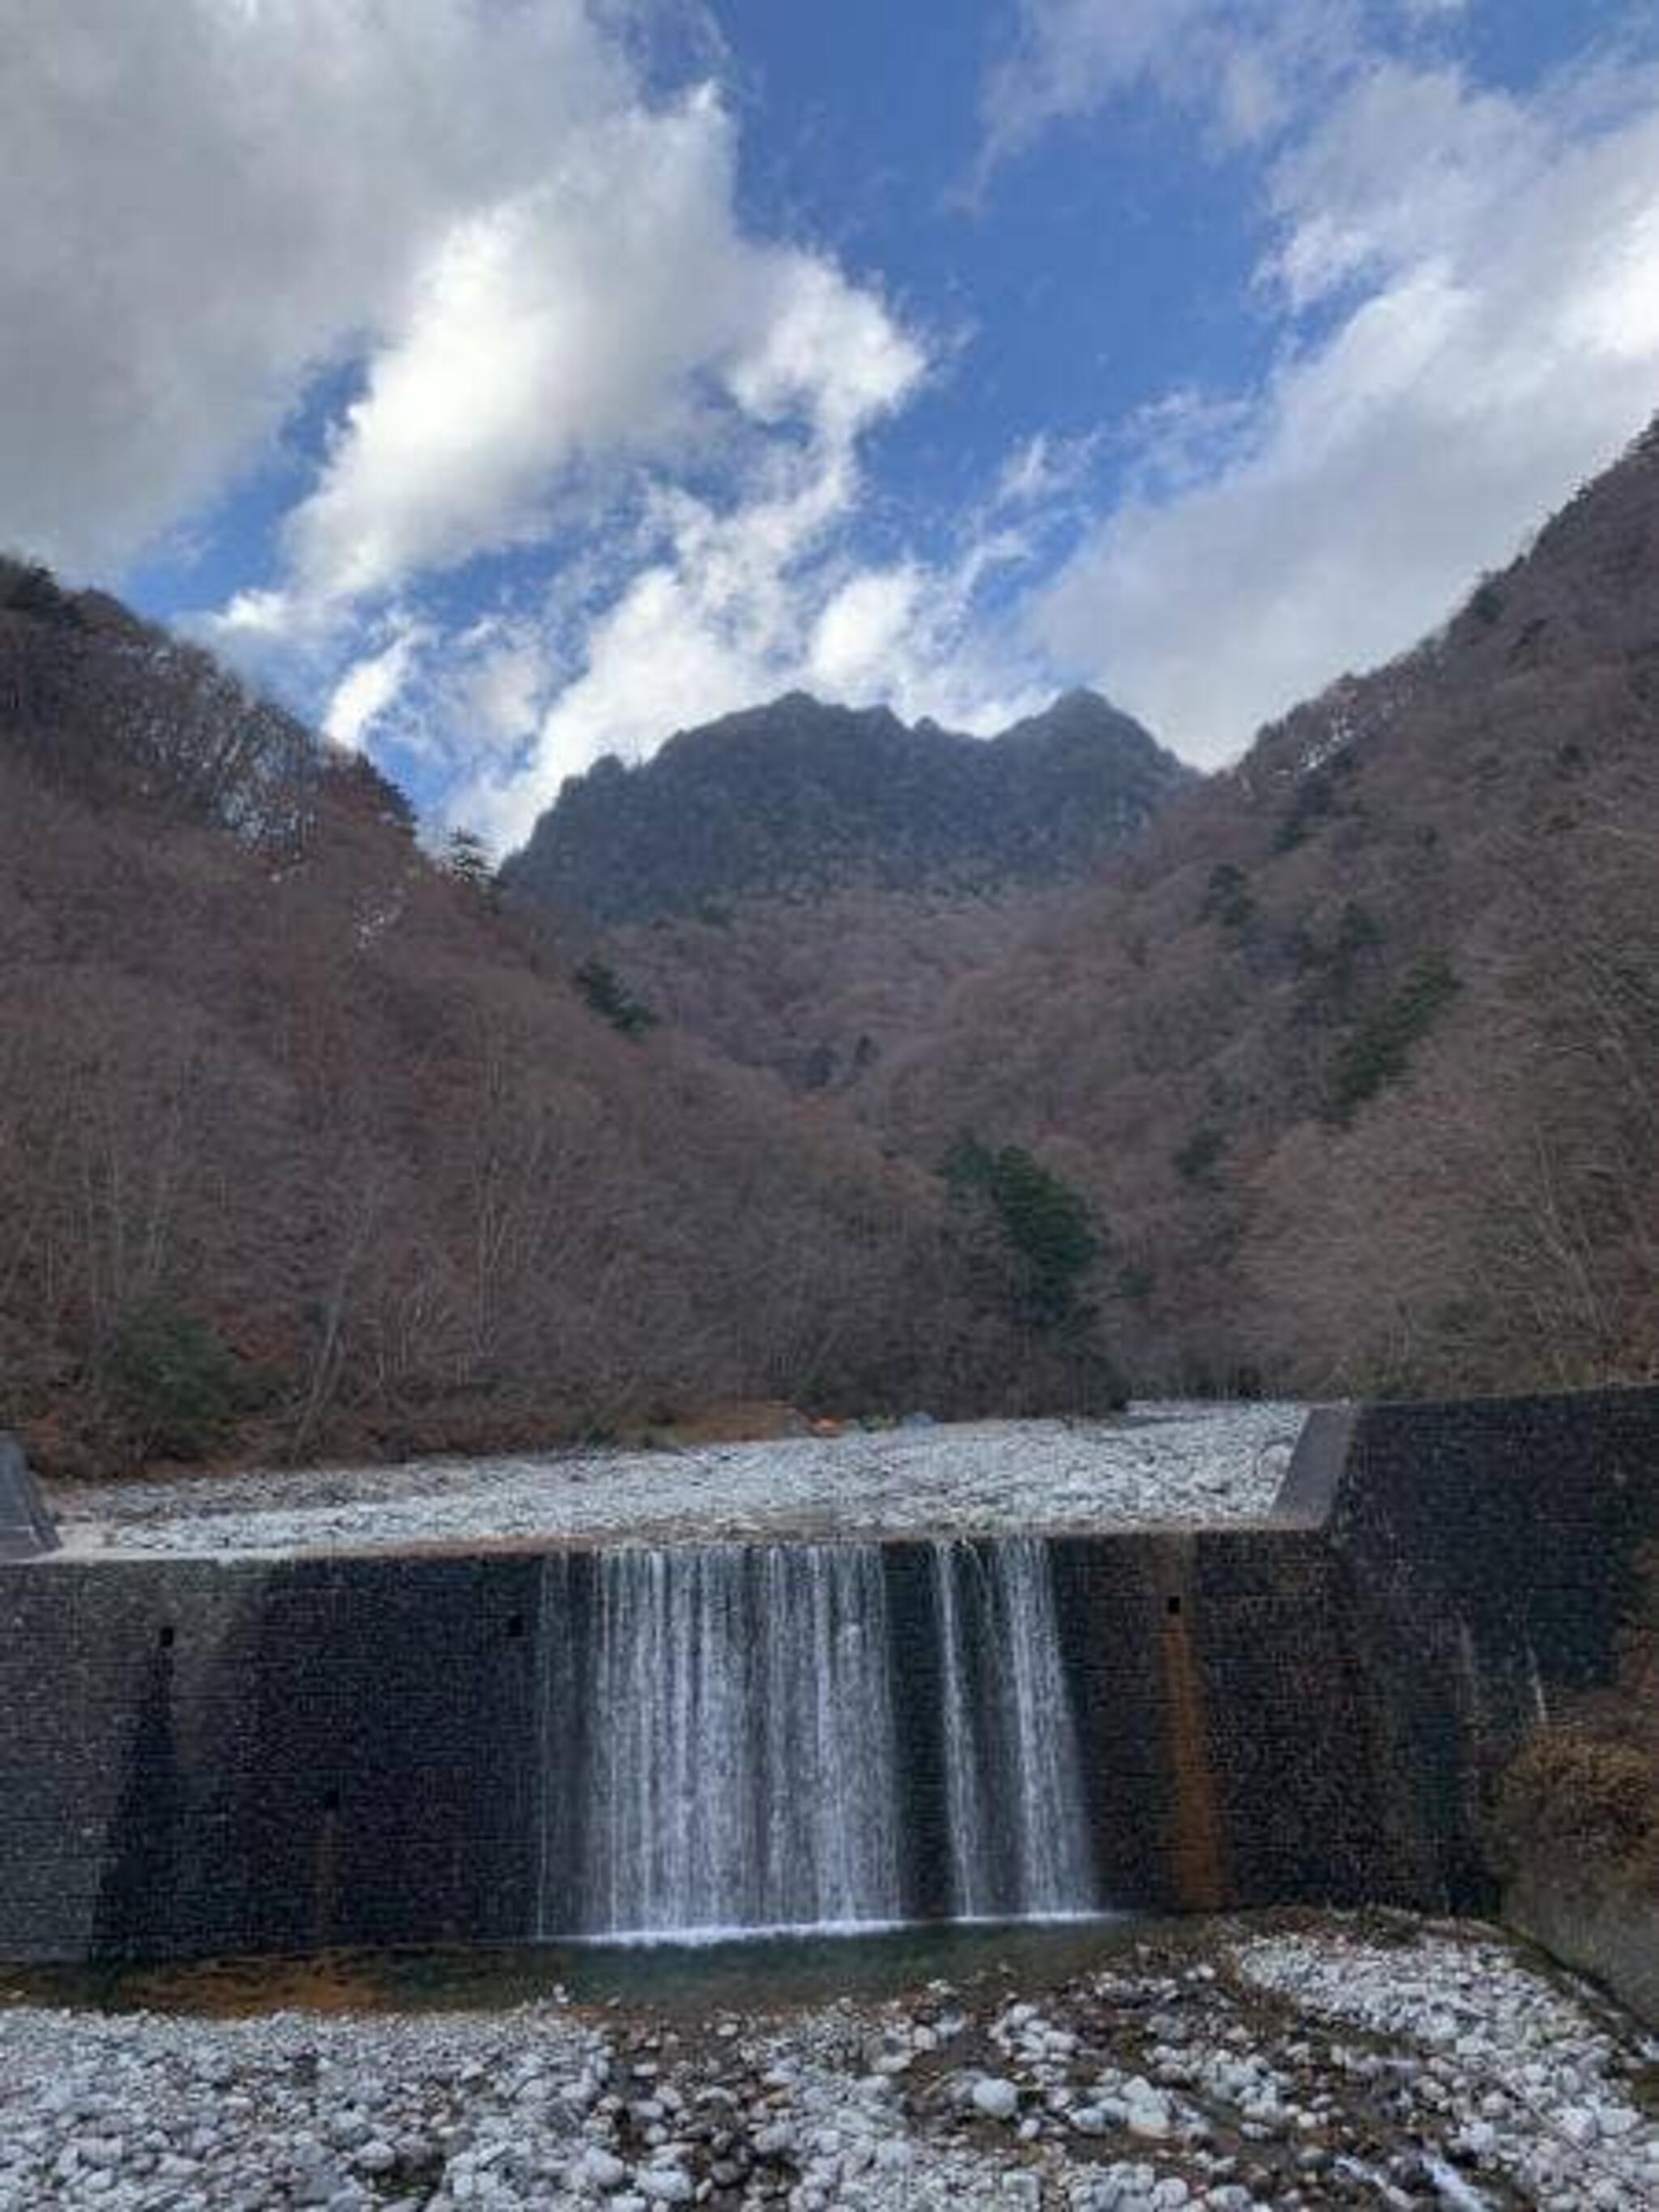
[
  {"x": 737, "y": 604},
  {"x": 1242, "y": 65},
  {"x": 1485, "y": 270},
  {"x": 205, "y": 203},
  {"x": 561, "y": 325},
  {"x": 536, "y": 273},
  {"x": 861, "y": 629},
  {"x": 369, "y": 688},
  {"x": 604, "y": 327},
  {"x": 1043, "y": 471},
  {"x": 825, "y": 350},
  {"x": 553, "y": 335},
  {"x": 500, "y": 676}
]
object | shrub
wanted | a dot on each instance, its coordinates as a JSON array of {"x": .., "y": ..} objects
[
  {"x": 1332, "y": 968},
  {"x": 173, "y": 1388},
  {"x": 1313, "y": 801},
  {"x": 26, "y": 588},
  {"x": 466, "y": 858},
  {"x": 1195, "y": 1162},
  {"x": 1578, "y": 1799},
  {"x": 1227, "y": 900},
  {"x": 1486, "y": 602},
  {"x": 1376, "y": 1051},
  {"x": 610, "y": 999},
  {"x": 1044, "y": 1226}
]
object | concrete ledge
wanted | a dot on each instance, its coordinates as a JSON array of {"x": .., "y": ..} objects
[
  {"x": 1596, "y": 1923},
  {"x": 1314, "y": 1474},
  {"x": 25, "y": 1527}
]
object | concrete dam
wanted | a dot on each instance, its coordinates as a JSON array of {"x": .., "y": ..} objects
[{"x": 512, "y": 1740}]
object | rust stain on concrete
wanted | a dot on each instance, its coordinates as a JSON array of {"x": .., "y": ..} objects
[{"x": 1197, "y": 1851}]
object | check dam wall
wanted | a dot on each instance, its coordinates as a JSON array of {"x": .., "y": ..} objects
[{"x": 208, "y": 1755}]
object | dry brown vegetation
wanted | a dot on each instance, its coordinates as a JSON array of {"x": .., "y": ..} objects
[
  {"x": 1579, "y": 1803},
  {"x": 821, "y": 991},
  {"x": 304, "y": 1148},
  {"x": 309, "y": 1145},
  {"x": 1356, "y": 1056}
]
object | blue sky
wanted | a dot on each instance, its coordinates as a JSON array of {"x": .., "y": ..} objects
[{"x": 506, "y": 381}]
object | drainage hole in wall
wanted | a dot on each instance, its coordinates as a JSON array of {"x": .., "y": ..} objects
[
  {"x": 165, "y": 1636},
  {"x": 515, "y": 1623},
  {"x": 331, "y": 1800},
  {"x": 1172, "y": 1605}
]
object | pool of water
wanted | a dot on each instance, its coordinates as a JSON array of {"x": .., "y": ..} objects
[{"x": 747, "y": 1974}]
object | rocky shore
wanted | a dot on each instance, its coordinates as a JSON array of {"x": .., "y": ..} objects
[{"x": 1299, "y": 2061}]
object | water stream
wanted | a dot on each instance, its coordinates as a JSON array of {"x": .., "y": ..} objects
[{"x": 740, "y": 1737}]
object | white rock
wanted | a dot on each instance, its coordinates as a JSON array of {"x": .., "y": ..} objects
[
  {"x": 666, "y": 2185},
  {"x": 996, "y": 2098},
  {"x": 599, "y": 2169}
]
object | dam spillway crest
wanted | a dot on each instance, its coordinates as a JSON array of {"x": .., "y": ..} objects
[
  {"x": 731, "y": 1738},
  {"x": 1013, "y": 1671}
]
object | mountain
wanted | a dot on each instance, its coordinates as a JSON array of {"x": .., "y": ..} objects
[
  {"x": 1352, "y": 1051},
  {"x": 799, "y": 798},
  {"x": 307, "y": 1147},
  {"x": 1356, "y": 1052},
  {"x": 1339, "y": 1076}
]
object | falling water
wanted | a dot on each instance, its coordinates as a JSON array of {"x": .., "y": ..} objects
[
  {"x": 730, "y": 1734},
  {"x": 1018, "y": 1830}
]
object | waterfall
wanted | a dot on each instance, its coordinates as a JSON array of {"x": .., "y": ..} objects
[
  {"x": 1018, "y": 1829},
  {"x": 732, "y": 1736}
]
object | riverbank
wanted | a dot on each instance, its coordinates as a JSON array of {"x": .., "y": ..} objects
[
  {"x": 1170, "y": 1465},
  {"x": 1290, "y": 2060}
]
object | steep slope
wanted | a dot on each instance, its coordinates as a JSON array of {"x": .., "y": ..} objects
[
  {"x": 800, "y": 886},
  {"x": 822, "y": 991},
  {"x": 1357, "y": 1052},
  {"x": 305, "y": 1147},
  {"x": 798, "y": 799}
]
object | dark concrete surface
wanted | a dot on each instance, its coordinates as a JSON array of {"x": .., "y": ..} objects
[
  {"x": 25, "y": 1527},
  {"x": 203, "y": 1756}
]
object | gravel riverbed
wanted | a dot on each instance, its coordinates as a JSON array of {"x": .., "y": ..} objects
[
  {"x": 1299, "y": 2061},
  {"x": 1170, "y": 1464}
]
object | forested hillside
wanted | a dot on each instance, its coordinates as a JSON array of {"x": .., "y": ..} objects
[
  {"x": 1344, "y": 1075},
  {"x": 305, "y": 1147},
  {"x": 1356, "y": 1054},
  {"x": 800, "y": 885}
]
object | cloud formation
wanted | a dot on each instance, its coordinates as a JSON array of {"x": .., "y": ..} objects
[
  {"x": 1467, "y": 285},
  {"x": 738, "y": 601},
  {"x": 552, "y": 331},
  {"x": 1240, "y": 66},
  {"x": 207, "y": 203},
  {"x": 611, "y": 314},
  {"x": 570, "y": 454}
]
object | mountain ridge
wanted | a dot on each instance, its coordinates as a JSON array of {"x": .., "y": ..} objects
[
  {"x": 1355, "y": 1051},
  {"x": 798, "y": 797},
  {"x": 1351, "y": 1053}
]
